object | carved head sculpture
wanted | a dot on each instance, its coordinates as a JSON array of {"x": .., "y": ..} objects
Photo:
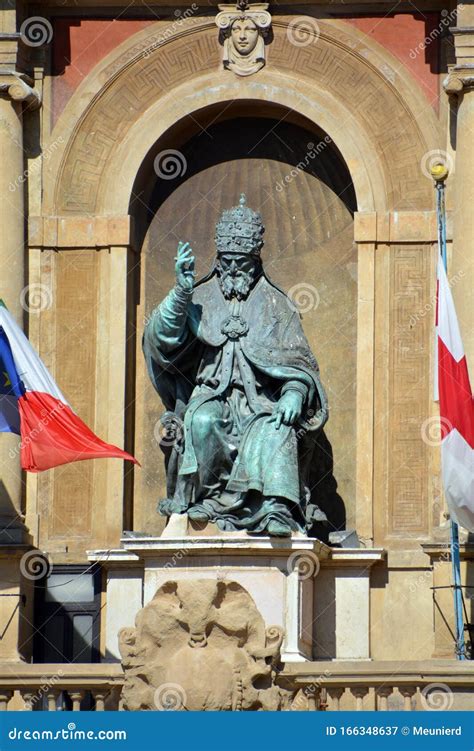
[
  {"x": 244, "y": 35},
  {"x": 243, "y": 29}
]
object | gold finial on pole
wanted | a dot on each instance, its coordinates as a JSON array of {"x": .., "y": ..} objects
[{"x": 439, "y": 171}]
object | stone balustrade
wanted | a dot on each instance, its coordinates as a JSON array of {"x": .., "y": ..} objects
[
  {"x": 381, "y": 685},
  {"x": 53, "y": 687},
  {"x": 329, "y": 685}
]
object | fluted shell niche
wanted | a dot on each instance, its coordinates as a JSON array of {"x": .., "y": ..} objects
[{"x": 295, "y": 177}]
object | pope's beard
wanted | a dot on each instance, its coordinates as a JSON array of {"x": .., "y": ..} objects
[{"x": 236, "y": 284}]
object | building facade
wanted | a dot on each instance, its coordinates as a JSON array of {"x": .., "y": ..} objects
[{"x": 125, "y": 128}]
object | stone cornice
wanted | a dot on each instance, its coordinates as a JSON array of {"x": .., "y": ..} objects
[
  {"x": 104, "y": 231},
  {"x": 437, "y": 550},
  {"x": 398, "y": 227},
  {"x": 79, "y": 231},
  {"x": 162, "y": 547},
  {"x": 19, "y": 674},
  {"x": 15, "y": 54},
  {"x": 346, "y": 673},
  {"x": 457, "y": 30}
]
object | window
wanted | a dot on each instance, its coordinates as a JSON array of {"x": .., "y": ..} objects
[{"x": 67, "y": 615}]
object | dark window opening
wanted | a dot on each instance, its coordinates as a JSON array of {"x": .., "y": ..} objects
[{"x": 67, "y": 615}]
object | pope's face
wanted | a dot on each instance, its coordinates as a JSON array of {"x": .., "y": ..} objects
[
  {"x": 235, "y": 264},
  {"x": 244, "y": 35},
  {"x": 237, "y": 274}
]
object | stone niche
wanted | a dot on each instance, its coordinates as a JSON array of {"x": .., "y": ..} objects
[
  {"x": 301, "y": 186},
  {"x": 202, "y": 645}
]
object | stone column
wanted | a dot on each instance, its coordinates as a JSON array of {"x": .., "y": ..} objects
[
  {"x": 14, "y": 94},
  {"x": 12, "y": 239},
  {"x": 460, "y": 85},
  {"x": 12, "y": 280}
]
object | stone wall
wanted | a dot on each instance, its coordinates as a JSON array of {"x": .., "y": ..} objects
[{"x": 106, "y": 111}]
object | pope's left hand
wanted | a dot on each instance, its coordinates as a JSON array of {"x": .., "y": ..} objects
[{"x": 288, "y": 409}]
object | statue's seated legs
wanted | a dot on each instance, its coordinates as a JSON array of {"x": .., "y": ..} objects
[
  {"x": 239, "y": 456},
  {"x": 215, "y": 447}
]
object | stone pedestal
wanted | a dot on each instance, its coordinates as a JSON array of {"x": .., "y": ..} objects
[
  {"x": 442, "y": 593},
  {"x": 342, "y": 604},
  {"x": 320, "y": 596},
  {"x": 124, "y": 598},
  {"x": 279, "y": 575}
]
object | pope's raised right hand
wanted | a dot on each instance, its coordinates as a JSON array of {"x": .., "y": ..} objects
[{"x": 185, "y": 267}]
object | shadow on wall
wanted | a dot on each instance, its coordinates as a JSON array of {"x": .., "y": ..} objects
[{"x": 294, "y": 175}]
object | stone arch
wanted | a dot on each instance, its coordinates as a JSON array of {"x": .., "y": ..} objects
[{"x": 343, "y": 82}]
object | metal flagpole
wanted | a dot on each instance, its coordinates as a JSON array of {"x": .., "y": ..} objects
[
  {"x": 458, "y": 612},
  {"x": 439, "y": 173}
]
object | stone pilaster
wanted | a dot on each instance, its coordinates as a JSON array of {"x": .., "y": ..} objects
[
  {"x": 16, "y": 96},
  {"x": 460, "y": 87},
  {"x": 16, "y": 93}
]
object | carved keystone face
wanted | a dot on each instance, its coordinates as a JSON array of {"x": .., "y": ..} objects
[{"x": 244, "y": 34}]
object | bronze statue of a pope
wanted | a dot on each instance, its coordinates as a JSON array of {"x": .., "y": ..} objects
[{"x": 241, "y": 387}]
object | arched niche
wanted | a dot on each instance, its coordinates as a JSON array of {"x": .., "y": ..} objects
[
  {"x": 294, "y": 175},
  {"x": 345, "y": 85}
]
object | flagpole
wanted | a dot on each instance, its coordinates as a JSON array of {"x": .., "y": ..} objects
[{"x": 439, "y": 173}]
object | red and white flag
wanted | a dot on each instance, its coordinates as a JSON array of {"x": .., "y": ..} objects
[{"x": 456, "y": 406}]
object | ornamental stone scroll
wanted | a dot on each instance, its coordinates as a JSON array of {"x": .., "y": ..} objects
[{"x": 202, "y": 645}]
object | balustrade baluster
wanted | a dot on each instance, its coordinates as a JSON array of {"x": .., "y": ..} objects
[
  {"x": 383, "y": 692},
  {"x": 5, "y": 697},
  {"x": 312, "y": 696},
  {"x": 335, "y": 693},
  {"x": 99, "y": 695},
  {"x": 76, "y": 697},
  {"x": 359, "y": 692},
  {"x": 28, "y": 697},
  {"x": 51, "y": 697},
  {"x": 407, "y": 692}
]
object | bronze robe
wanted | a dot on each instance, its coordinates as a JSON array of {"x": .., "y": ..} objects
[{"x": 220, "y": 366}]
